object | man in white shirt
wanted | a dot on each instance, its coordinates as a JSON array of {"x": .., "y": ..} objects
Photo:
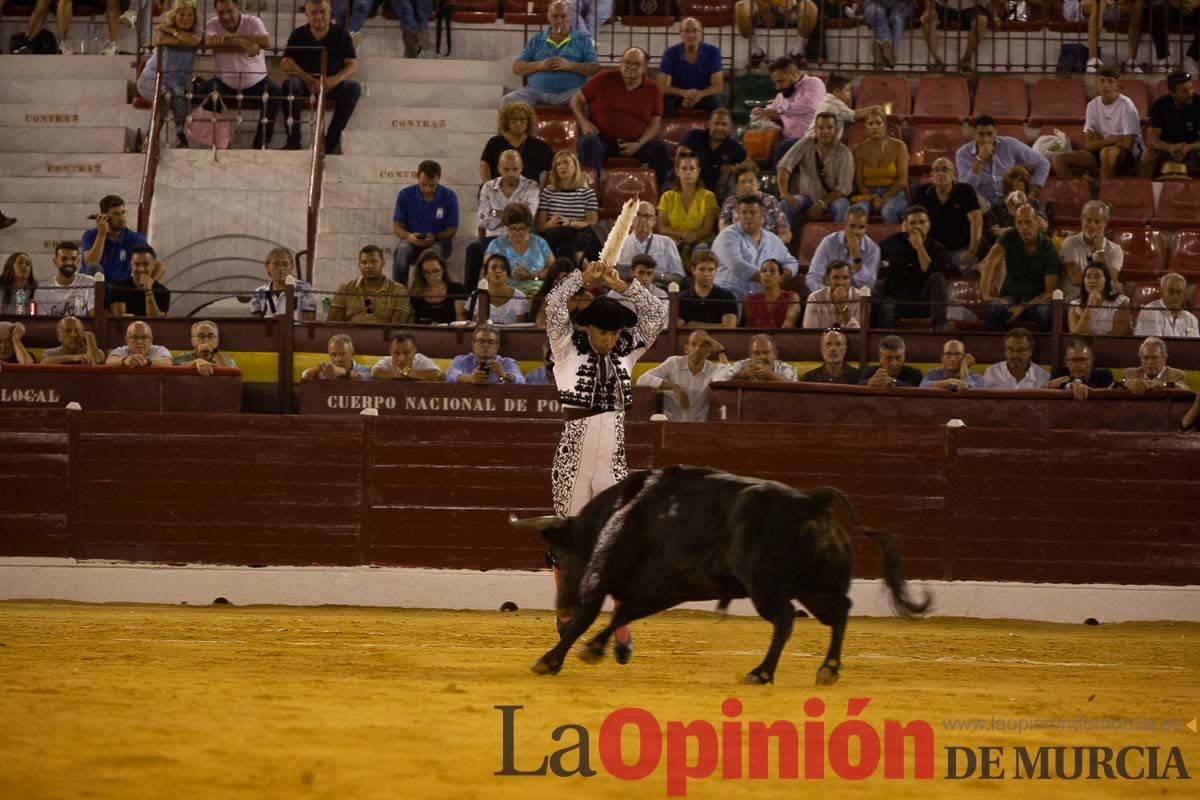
[
  {"x": 1017, "y": 370},
  {"x": 1112, "y": 133},
  {"x": 404, "y": 363},
  {"x": 1090, "y": 244},
  {"x": 763, "y": 364},
  {"x": 1165, "y": 317},
  {"x": 140, "y": 349},
  {"x": 684, "y": 379},
  {"x": 71, "y": 292},
  {"x": 644, "y": 241},
  {"x": 837, "y": 303}
]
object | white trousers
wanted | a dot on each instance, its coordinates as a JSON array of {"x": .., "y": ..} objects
[{"x": 589, "y": 459}]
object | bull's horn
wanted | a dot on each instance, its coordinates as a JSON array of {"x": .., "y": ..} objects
[{"x": 534, "y": 523}]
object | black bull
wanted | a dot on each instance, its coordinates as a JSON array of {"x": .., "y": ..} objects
[{"x": 669, "y": 536}]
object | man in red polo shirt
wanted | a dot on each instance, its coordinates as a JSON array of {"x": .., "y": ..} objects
[{"x": 619, "y": 112}]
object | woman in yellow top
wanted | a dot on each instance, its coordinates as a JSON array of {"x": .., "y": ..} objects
[
  {"x": 881, "y": 171},
  {"x": 688, "y": 214}
]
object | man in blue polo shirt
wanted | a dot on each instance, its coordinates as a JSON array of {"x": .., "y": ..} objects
[
  {"x": 690, "y": 73},
  {"x": 555, "y": 62},
  {"x": 426, "y": 216},
  {"x": 109, "y": 246}
]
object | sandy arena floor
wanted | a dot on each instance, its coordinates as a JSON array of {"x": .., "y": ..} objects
[{"x": 177, "y": 702}]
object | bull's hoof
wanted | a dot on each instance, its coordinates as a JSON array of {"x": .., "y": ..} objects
[
  {"x": 592, "y": 653},
  {"x": 758, "y": 678},
  {"x": 827, "y": 676},
  {"x": 544, "y": 667}
]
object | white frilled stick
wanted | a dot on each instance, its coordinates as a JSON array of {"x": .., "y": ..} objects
[{"x": 622, "y": 225}]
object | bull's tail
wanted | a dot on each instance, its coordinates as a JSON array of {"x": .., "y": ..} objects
[{"x": 893, "y": 563}]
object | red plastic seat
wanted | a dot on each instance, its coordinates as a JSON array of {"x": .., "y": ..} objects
[
  {"x": 1142, "y": 295},
  {"x": 876, "y": 89},
  {"x": 1185, "y": 252},
  {"x": 878, "y": 231},
  {"x": 1145, "y": 249},
  {"x": 1057, "y": 101},
  {"x": 1136, "y": 91},
  {"x": 1004, "y": 99},
  {"x": 709, "y": 13},
  {"x": 1015, "y": 131},
  {"x": 942, "y": 99},
  {"x": 622, "y": 183},
  {"x": 811, "y": 236},
  {"x": 931, "y": 142},
  {"x": 1068, "y": 196},
  {"x": 965, "y": 292},
  {"x": 526, "y": 12},
  {"x": 1160, "y": 89},
  {"x": 1178, "y": 204},
  {"x": 556, "y": 130},
  {"x": 1130, "y": 200},
  {"x": 673, "y": 129}
]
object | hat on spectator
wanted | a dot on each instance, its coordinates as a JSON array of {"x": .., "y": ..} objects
[
  {"x": 1178, "y": 77},
  {"x": 1174, "y": 170},
  {"x": 606, "y": 314}
]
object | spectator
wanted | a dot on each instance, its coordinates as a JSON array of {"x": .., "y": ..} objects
[
  {"x": 691, "y": 73},
  {"x": 1160, "y": 16},
  {"x": 834, "y": 368},
  {"x": 354, "y": 20},
  {"x": 112, "y": 19},
  {"x": 240, "y": 66},
  {"x": 817, "y": 174},
  {"x": 270, "y": 299},
  {"x": 528, "y": 253},
  {"x": 983, "y": 161},
  {"x": 413, "y": 16},
  {"x": 18, "y": 287},
  {"x": 37, "y": 21},
  {"x": 495, "y": 196},
  {"x": 973, "y": 16},
  {"x": 543, "y": 375},
  {"x": 743, "y": 248},
  {"x": 881, "y": 171},
  {"x": 644, "y": 241},
  {"x": 1166, "y": 316},
  {"x": 590, "y": 15},
  {"x": 426, "y": 215},
  {"x": 1099, "y": 11},
  {"x": 836, "y": 304},
  {"x": 340, "y": 365},
  {"x": 747, "y": 183},
  {"x": 954, "y": 375},
  {"x": 720, "y": 154},
  {"x": 75, "y": 345},
  {"x": 302, "y": 61},
  {"x": 404, "y": 363},
  {"x": 516, "y": 123},
  {"x": 12, "y": 348},
  {"x": 774, "y": 306},
  {"x": 371, "y": 298},
  {"x": 568, "y": 211},
  {"x": 1026, "y": 267},
  {"x": 176, "y": 39},
  {"x": 793, "y": 108},
  {"x": 852, "y": 245},
  {"x": 688, "y": 213},
  {"x": 139, "y": 295},
  {"x": 642, "y": 271},
  {"x": 955, "y": 218},
  {"x": 70, "y": 292},
  {"x": 206, "y": 352},
  {"x": 561, "y": 268},
  {"x": 683, "y": 380},
  {"x": 887, "y": 20},
  {"x": 838, "y": 96},
  {"x": 916, "y": 280},
  {"x": 1174, "y": 130},
  {"x": 619, "y": 112},
  {"x": 484, "y": 364},
  {"x": 799, "y": 14},
  {"x": 1001, "y": 217},
  {"x": 1152, "y": 372},
  {"x": 139, "y": 349},
  {"x": 106, "y": 248},
  {"x": 1101, "y": 310},
  {"x": 554, "y": 63},
  {"x": 1112, "y": 133},
  {"x": 891, "y": 371},
  {"x": 1088, "y": 246},
  {"x": 508, "y": 305},
  {"x": 1079, "y": 375},
  {"x": 763, "y": 364},
  {"x": 704, "y": 304},
  {"x": 436, "y": 300},
  {"x": 1017, "y": 370}
]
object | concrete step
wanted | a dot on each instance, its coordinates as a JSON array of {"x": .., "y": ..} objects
[
  {"x": 417, "y": 142},
  {"x": 235, "y": 170},
  {"x": 65, "y": 91},
  {"x": 93, "y": 166},
  {"x": 86, "y": 67},
  {"x": 383, "y": 195},
  {"x": 56, "y": 215},
  {"x": 380, "y": 116},
  {"x": 376, "y": 222},
  {"x": 441, "y": 71},
  {"x": 117, "y": 115},
  {"x": 432, "y": 95},
  {"x": 399, "y": 170},
  {"x": 64, "y": 190},
  {"x": 29, "y": 139}
]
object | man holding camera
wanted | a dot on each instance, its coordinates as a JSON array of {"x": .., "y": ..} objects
[{"x": 484, "y": 364}]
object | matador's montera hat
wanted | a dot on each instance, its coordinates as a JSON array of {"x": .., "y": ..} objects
[{"x": 606, "y": 314}]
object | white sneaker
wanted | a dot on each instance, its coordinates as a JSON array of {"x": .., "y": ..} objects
[
  {"x": 1094, "y": 65},
  {"x": 1131, "y": 66},
  {"x": 1191, "y": 65},
  {"x": 1162, "y": 65},
  {"x": 129, "y": 19},
  {"x": 110, "y": 49},
  {"x": 356, "y": 38},
  {"x": 66, "y": 49}
]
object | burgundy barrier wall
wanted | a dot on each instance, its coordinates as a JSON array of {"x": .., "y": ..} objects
[
  {"x": 121, "y": 388},
  {"x": 965, "y": 504}
]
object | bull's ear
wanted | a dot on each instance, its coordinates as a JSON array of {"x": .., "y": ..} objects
[{"x": 558, "y": 535}]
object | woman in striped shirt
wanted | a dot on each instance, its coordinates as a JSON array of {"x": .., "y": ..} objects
[{"x": 568, "y": 209}]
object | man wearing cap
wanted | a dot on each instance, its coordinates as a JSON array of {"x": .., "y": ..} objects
[
  {"x": 1112, "y": 133},
  {"x": 593, "y": 364},
  {"x": 1174, "y": 131}
]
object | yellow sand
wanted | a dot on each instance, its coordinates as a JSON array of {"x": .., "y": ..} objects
[{"x": 125, "y": 701}]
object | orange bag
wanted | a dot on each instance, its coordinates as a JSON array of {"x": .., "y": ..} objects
[{"x": 759, "y": 144}]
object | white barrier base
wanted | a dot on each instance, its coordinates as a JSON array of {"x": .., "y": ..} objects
[{"x": 120, "y": 582}]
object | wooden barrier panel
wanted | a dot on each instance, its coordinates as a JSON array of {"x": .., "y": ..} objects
[
  {"x": 121, "y": 388},
  {"x": 1027, "y": 409},
  {"x": 439, "y": 399}
]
